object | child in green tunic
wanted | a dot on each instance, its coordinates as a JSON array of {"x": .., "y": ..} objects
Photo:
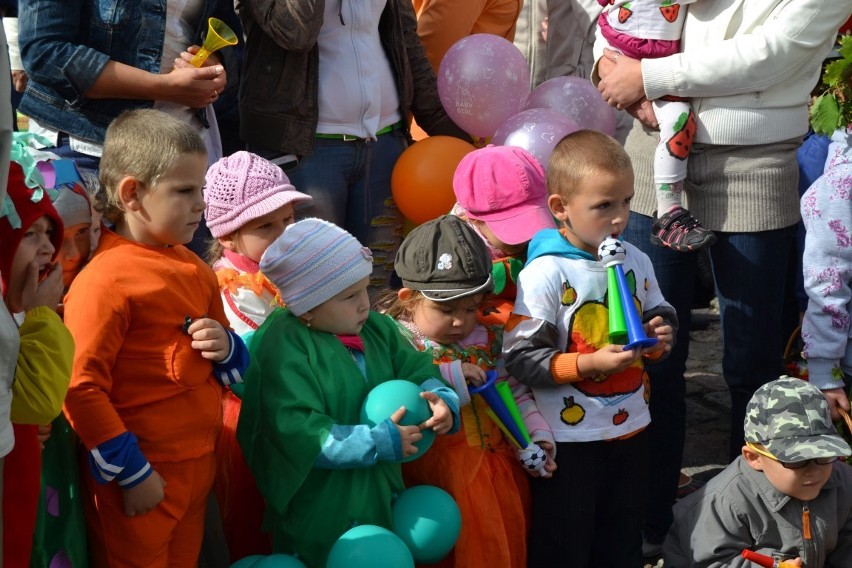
[{"x": 313, "y": 363}]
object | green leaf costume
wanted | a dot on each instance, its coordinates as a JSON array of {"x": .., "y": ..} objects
[{"x": 301, "y": 382}]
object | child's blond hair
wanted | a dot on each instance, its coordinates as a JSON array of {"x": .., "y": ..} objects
[
  {"x": 390, "y": 304},
  {"x": 144, "y": 144},
  {"x": 581, "y": 154}
]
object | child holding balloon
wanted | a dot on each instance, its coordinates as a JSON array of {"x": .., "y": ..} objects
[
  {"x": 446, "y": 272},
  {"x": 249, "y": 202},
  {"x": 592, "y": 393},
  {"x": 313, "y": 363},
  {"x": 643, "y": 29}
]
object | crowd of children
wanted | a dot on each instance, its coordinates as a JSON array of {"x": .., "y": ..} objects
[{"x": 245, "y": 377}]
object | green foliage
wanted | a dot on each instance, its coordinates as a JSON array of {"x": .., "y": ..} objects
[{"x": 833, "y": 108}]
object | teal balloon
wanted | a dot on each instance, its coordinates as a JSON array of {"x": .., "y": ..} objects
[
  {"x": 369, "y": 546},
  {"x": 248, "y": 561},
  {"x": 428, "y": 521},
  {"x": 279, "y": 561},
  {"x": 387, "y": 397}
]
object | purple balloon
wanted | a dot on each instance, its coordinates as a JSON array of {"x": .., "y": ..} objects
[
  {"x": 535, "y": 130},
  {"x": 578, "y": 99},
  {"x": 483, "y": 80}
]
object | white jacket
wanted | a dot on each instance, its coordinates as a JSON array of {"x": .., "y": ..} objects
[{"x": 749, "y": 66}]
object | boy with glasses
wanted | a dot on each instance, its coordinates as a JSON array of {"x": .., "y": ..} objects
[{"x": 787, "y": 495}]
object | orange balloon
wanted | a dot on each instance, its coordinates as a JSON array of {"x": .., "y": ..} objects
[{"x": 422, "y": 180}]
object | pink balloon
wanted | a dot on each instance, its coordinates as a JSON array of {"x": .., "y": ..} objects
[
  {"x": 535, "y": 130},
  {"x": 578, "y": 99},
  {"x": 483, "y": 80}
]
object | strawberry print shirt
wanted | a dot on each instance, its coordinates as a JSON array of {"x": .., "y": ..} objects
[{"x": 646, "y": 19}]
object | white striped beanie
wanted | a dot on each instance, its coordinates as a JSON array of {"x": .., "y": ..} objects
[{"x": 313, "y": 261}]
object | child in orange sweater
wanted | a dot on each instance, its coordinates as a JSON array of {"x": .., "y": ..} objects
[{"x": 152, "y": 351}]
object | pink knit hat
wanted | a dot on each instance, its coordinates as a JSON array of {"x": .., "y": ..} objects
[
  {"x": 242, "y": 187},
  {"x": 504, "y": 187}
]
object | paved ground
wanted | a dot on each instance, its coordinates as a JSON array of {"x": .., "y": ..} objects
[{"x": 707, "y": 403}]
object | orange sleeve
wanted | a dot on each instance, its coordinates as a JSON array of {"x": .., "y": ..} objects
[
  {"x": 96, "y": 314},
  {"x": 563, "y": 367}
]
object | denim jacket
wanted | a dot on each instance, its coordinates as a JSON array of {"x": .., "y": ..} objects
[{"x": 65, "y": 45}]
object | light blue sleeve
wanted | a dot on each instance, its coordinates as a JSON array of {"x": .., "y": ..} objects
[{"x": 348, "y": 447}]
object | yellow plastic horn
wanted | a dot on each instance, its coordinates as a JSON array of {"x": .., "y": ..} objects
[{"x": 219, "y": 35}]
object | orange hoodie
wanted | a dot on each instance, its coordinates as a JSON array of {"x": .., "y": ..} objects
[{"x": 134, "y": 367}]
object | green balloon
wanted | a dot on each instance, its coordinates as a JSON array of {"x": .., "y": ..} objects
[
  {"x": 248, "y": 561},
  {"x": 387, "y": 397},
  {"x": 428, "y": 521},
  {"x": 369, "y": 546}
]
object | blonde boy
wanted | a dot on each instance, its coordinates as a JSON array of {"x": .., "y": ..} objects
[
  {"x": 152, "y": 347},
  {"x": 787, "y": 496},
  {"x": 591, "y": 393}
]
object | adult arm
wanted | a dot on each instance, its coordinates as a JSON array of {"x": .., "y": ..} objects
[
  {"x": 52, "y": 56},
  {"x": 426, "y": 104},
  {"x": 790, "y": 38},
  {"x": 292, "y": 24},
  {"x": 827, "y": 269}
]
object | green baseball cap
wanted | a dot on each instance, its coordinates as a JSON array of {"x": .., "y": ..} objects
[{"x": 444, "y": 259}]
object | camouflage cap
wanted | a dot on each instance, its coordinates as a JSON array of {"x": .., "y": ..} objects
[{"x": 790, "y": 418}]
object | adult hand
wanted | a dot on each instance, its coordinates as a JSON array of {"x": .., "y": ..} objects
[
  {"x": 195, "y": 87},
  {"x": 836, "y": 398},
  {"x": 19, "y": 80},
  {"x": 621, "y": 83}
]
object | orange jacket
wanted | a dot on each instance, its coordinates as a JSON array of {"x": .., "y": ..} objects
[{"x": 134, "y": 367}]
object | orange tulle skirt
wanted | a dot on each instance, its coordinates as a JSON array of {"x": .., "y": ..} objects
[{"x": 491, "y": 490}]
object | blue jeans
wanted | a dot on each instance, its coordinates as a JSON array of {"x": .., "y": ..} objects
[
  {"x": 676, "y": 273},
  {"x": 350, "y": 186},
  {"x": 749, "y": 271}
]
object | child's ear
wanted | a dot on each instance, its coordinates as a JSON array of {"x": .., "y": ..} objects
[
  {"x": 129, "y": 189},
  {"x": 404, "y": 293},
  {"x": 556, "y": 204},
  {"x": 228, "y": 242},
  {"x": 752, "y": 458}
]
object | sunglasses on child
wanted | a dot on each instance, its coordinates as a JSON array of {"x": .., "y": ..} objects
[{"x": 792, "y": 465}]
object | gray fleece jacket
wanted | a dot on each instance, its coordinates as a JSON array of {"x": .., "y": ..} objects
[{"x": 740, "y": 508}]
